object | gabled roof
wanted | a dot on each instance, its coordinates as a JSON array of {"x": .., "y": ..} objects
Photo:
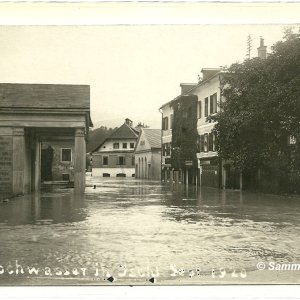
[
  {"x": 123, "y": 132},
  {"x": 153, "y": 137}
]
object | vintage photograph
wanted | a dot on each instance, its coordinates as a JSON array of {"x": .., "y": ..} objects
[{"x": 163, "y": 154}]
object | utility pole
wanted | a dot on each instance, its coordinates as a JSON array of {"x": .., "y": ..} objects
[{"x": 249, "y": 46}]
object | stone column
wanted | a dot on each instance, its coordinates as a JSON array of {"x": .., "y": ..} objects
[
  {"x": 79, "y": 161},
  {"x": 18, "y": 160}
]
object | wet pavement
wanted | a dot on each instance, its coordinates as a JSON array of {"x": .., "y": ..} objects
[{"x": 129, "y": 231}]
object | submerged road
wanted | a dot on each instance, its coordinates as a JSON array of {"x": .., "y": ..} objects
[{"x": 129, "y": 231}]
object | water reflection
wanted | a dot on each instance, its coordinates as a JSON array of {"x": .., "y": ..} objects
[
  {"x": 135, "y": 222},
  {"x": 44, "y": 208}
]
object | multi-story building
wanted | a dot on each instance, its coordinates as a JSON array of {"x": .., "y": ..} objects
[
  {"x": 209, "y": 97},
  {"x": 167, "y": 122},
  {"x": 115, "y": 156},
  {"x": 211, "y": 170},
  {"x": 208, "y": 170},
  {"x": 179, "y": 139},
  {"x": 148, "y": 154}
]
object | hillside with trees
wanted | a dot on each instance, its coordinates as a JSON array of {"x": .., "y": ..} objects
[{"x": 97, "y": 136}]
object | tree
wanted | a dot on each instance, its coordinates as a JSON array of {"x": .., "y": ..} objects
[
  {"x": 261, "y": 111},
  {"x": 97, "y": 136},
  {"x": 184, "y": 132}
]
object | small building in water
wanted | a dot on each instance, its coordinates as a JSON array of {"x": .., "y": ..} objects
[
  {"x": 115, "y": 156},
  {"x": 148, "y": 154},
  {"x": 43, "y": 132}
]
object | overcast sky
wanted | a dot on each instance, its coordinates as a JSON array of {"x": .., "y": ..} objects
[{"x": 132, "y": 70}]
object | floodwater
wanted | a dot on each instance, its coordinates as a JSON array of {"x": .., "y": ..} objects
[{"x": 128, "y": 231}]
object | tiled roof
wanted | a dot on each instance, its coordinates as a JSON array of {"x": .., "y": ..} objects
[
  {"x": 124, "y": 132},
  {"x": 153, "y": 136},
  {"x": 57, "y": 96}
]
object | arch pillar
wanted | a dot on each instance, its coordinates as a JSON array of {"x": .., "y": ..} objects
[{"x": 79, "y": 161}]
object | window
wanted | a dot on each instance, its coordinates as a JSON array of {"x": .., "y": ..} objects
[
  {"x": 165, "y": 124},
  {"x": 210, "y": 142},
  {"x": 121, "y": 175},
  {"x": 198, "y": 143},
  {"x": 167, "y": 161},
  {"x": 205, "y": 142},
  {"x": 202, "y": 143},
  {"x": 116, "y": 145},
  {"x": 66, "y": 154},
  {"x": 106, "y": 175},
  {"x": 121, "y": 160},
  {"x": 172, "y": 120},
  {"x": 124, "y": 145},
  {"x": 292, "y": 140},
  {"x": 199, "y": 109},
  {"x": 132, "y": 160},
  {"x": 131, "y": 145},
  {"x": 105, "y": 160},
  {"x": 206, "y": 107},
  {"x": 167, "y": 149}
]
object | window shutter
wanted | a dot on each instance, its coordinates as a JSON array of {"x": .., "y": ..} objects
[
  {"x": 215, "y": 102},
  {"x": 211, "y": 109},
  {"x": 206, "y": 107},
  {"x": 199, "y": 109},
  {"x": 202, "y": 143}
]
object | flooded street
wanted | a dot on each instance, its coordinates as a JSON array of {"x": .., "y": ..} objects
[{"x": 128, "y": 231}]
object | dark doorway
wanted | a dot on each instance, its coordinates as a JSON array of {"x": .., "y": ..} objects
[{"x": 46, "y": 164}]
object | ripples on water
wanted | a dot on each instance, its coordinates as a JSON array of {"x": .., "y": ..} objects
[{"x": 133, "y": 223}]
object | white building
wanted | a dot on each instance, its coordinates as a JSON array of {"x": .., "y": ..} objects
[
  {"x": 148, "y": 154},
  {"x": 115, "y": 156}
]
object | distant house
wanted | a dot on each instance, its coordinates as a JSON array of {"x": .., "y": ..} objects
[
  {"x": 148, "y": 154},
  {"x": 115, "y": 156}
]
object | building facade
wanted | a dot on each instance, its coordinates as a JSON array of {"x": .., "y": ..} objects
[
  {"x": 57, "y": 160},
  {"x": 115, "y": 156},
  {"x": 148, "y": 154},
  {"x": 167, "y": 123},
  {"x": 30, "y": 115},
  {"x": 210, "y": 171},
  {"x": 209, "y": 96},
  {"x": 179, "y": 141},
  {"x": 200, "y": 165}
]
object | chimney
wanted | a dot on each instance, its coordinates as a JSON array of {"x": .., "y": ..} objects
[
  {"x": 185, "y": 87},
  {"x": 128, "y": 122},
  {"x": 262, "y": 49}
]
